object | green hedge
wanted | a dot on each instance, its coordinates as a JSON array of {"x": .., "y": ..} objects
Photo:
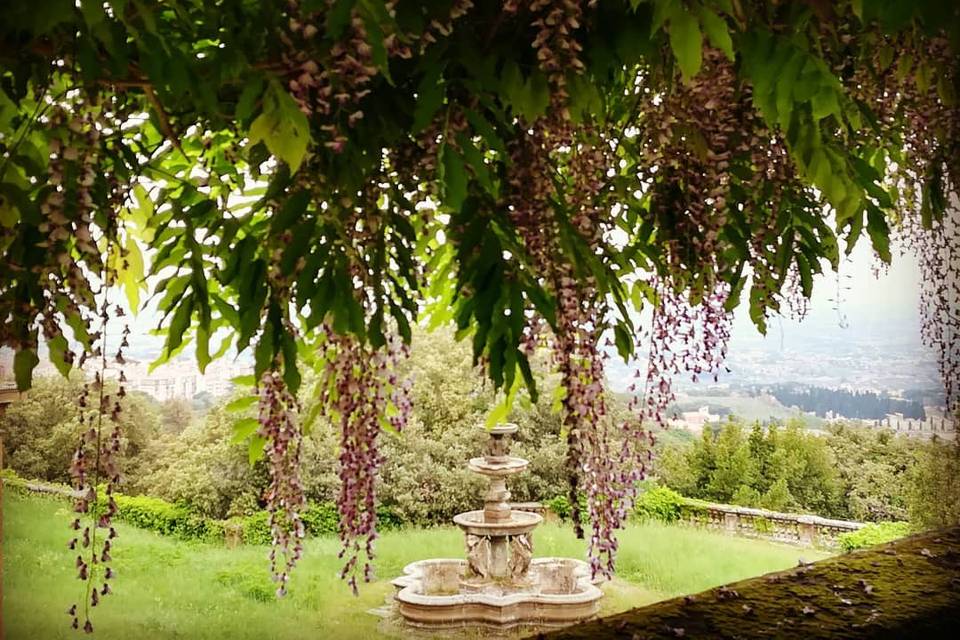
[
  {"x": 256, "y": 528},
  {"x": 659, "y": 503},
  {"x": 319, "y": 519},
  {"x": 655, "y": 503},
  {"x": 154, "y": 514},
  {"x": 179, "y": 520},
  {"x": 873, "y": 534}
]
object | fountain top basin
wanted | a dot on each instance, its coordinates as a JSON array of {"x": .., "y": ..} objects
[
  {"x": 502, "y": 466},
  {"x": 504, "y": 429},
  {"x": 520, "y": 522}
]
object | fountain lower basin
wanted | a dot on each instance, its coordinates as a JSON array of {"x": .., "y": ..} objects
[
  {"x": 499, "y": 584},
  {"x": 439, "y": 593}
]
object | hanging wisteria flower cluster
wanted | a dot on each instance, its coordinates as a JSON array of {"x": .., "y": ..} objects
[
  {"x": 95, "y": 468},
  {"x": 581, "y": 306},
  {"x": 285, "y": 498},
  {"x": 931, "y": 150},
  {"x": 938, "y": 251},
  {"x": 360, "y": 393},
  {"x": 77, "y": 173}
]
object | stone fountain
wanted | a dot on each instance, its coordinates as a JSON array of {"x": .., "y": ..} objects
[{"x": 500, "y": 584}]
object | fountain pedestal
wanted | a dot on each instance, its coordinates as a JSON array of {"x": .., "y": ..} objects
[{"x": 499, "y": 584}]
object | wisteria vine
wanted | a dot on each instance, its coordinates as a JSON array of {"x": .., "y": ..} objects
[
  {"x": 95, "y": 468},
  {"x": 360, "y": 393},
  {"x": 285, "y": 498}
]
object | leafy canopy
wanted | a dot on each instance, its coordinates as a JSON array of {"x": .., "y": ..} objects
[{"x": 244, "y": 146}]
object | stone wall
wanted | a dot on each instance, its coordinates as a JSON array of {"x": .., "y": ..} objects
[
  {"x": 903, "y": 589},
  {"x": 790, "y": 528}
]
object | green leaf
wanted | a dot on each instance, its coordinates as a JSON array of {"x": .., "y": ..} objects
[
  {"x": 291, "y": 212},
  {"x": 857, "y": 7},
  {"x": 243, "y": 429},
  {"x": 825, "y": 103},
  {"x": 375, "y": 37},
  {"x": 291, "y": 374},
  {"x": 879, "y": 232},
  {"x": 454, "y": 179},
  {"x": 311, "y": 418},
  {"x": 623, "y": 341},
  {"x": 255, "y": 449},
  {"x": 9, "y": 214},
  {"x": 338, "y": 17},
  {"x": 282, "y": 127},
  {"x": 686, "y": 41},
  {"x": 131, "y": 274},
  {"x": 58, "y": 349},
  {"x": 24, "y": 363},
  {"x": 806, "y": 276},
  {"x": 946, "y": 90},
  {"x": 242, "y": 403},
  {"x": 500, "y": 411},
  {"x": 758, "y": 312},
  {"x": 475, "y": 159},
  {"x": 486, "y": 131},
  {"x": 538, "y": 95},
  {"x": 264, "y": 352},
  {"x": 252, "y": 90},
  {"x": 717, "y": 32},
  {"x": 203, "y": 347},
  {"x": 179, "y": 324}
]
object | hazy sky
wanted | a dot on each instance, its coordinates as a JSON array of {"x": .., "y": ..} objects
[{"x": 883, "y": 306}]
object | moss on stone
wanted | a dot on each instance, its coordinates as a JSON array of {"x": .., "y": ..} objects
[{"x": 907, "y": 588}]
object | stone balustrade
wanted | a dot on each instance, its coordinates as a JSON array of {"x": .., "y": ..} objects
[{"x": 790, "y": 528}]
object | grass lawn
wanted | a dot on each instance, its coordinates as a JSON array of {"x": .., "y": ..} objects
[{"x": 171, "y": 589}]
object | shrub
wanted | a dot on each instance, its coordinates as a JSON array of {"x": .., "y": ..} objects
[
  {"x": 560, "y": 505},
  {"x": 763, "y": 525},
  {"x": 256, "y": 528},
  {"x": 873, "y": 534},
  {"x": 321, "y": 519},
  {"x": 746, "y": 496},
  {"x": 387, "y": 518},
  {"x": 167, "y": 518},
  {"x": 659, "y": 503}
]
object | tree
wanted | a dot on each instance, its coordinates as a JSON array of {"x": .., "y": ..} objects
[
  {"x": 40, "y": 430},
  {"x": 763, "y": 442},
  {"x": 311, "y": 177},
  {"x": 176, "y": 414},
  {"x": 734, "y": 466},
  {"x": 778, "y": 497},
  {"x": 932, "y": 494}
]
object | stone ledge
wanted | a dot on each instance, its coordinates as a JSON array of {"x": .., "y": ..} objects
[{"x": 909, "y": 588}]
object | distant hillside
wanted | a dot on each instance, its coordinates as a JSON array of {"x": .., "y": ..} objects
[
  {"x": 866, "y": 405},
  {"x": 749, "y": 408}
]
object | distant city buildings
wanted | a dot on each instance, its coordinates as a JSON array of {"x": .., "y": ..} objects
[
  {"x": 933, "y": 425},
  {"x": 694, "y": 420},
  {"x": 177, "y": 379},
  {"x": 182, "y": 379}
]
